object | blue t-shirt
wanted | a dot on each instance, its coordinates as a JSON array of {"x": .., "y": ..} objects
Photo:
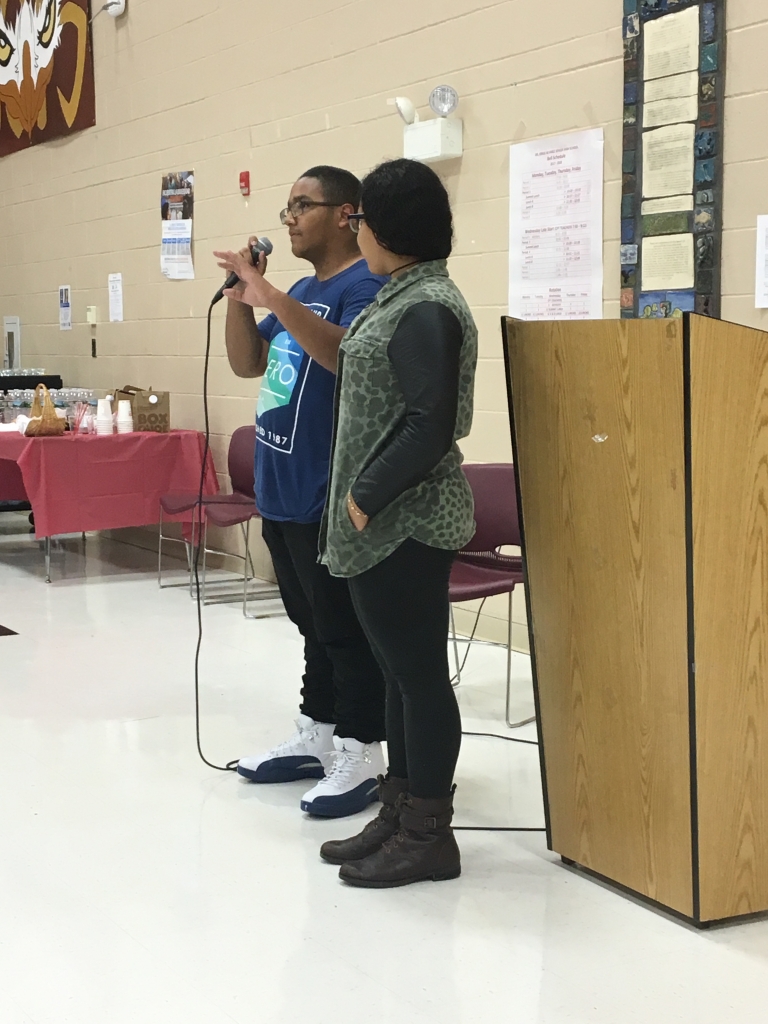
[{"x": 294, "y": 416}]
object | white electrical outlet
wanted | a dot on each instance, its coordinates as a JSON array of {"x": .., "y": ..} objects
[{"x": 92, "y": 314}]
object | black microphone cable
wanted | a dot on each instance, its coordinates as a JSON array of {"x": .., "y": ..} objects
[
  {"x": 488, "y": 735},
  {"x": 493, "y": 828},
  {"x": 261, "y": 245},
  {"x": 230, "y": 766},
  {"x": 498, "y": 828}
]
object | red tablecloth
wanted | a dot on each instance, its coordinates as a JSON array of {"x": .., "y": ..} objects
[{"x": 77, "y": 483}]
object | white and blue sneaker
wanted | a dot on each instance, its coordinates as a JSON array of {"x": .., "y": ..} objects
[
  {"x": 351, "y": 784},
  {"x": 306, "y": 755}
]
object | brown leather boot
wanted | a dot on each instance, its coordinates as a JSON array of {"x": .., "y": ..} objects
[
  {"x": 424, "y": 847},
  {"x": 376, "y": 832}
]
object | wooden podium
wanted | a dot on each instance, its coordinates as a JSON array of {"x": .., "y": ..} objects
[{"x": 641, "y": 449}]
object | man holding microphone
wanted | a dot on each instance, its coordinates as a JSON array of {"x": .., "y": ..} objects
[{"x": 341, "y": 721}]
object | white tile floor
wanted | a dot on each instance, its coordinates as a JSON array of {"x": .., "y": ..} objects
[{"x": 140, "y": 887}]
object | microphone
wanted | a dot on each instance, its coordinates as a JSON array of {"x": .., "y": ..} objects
[{"x": 260, "y": 245}]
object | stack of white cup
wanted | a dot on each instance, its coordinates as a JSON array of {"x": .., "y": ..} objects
[
  {"x": 104, "y": 424},
  {"x": 124, "y": 417}
]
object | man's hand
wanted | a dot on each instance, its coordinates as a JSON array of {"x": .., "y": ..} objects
[
  {"x": 319, "y": 338},
  {"x": 245, "y": 252},
  {"x": 252, "y": 288},
  {"x": 246, "y": 349}
]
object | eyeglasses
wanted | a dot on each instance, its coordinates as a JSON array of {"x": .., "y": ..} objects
[
  {"x": 300, "y": 206},
  {"x": 355, "y": 219}
]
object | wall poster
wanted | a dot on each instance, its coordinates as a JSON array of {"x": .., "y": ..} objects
[
  {"x": 46, "y": 71},
  {"x": 65, "y": 307},
  {"x": 556, "y": 227},
  {"x": 672, "y": 170},
  {"x": 177, "y": 210}
]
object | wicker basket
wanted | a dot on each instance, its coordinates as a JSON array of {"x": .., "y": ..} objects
[{"x": 44, "y": 422}]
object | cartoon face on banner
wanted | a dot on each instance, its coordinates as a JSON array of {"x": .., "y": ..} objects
[{"x": 46, "y": 71}]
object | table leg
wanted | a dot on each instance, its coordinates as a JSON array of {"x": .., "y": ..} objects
[{"x": 47, "y": 559}]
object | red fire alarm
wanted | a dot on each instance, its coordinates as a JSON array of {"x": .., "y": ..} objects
[{"x": 245, "y": 183}]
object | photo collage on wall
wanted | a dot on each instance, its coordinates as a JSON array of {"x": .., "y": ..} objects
[{"x": 672, "y": 164}]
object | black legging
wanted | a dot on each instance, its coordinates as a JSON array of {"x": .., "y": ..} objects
[
  {"x": 402, "y": 604},
  {"x": 342, "y": 680}
]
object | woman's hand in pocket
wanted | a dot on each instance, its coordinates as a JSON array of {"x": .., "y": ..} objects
[{"x": 357, "y": 517}]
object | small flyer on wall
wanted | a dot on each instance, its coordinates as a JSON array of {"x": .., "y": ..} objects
[
  {"x": 115, "y": 285},
  {"x": 177, "y": 200},
  {"x": 65, "y": 308}
]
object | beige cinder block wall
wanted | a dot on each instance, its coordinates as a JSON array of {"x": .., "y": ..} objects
[{"x": 273, "y": 88}]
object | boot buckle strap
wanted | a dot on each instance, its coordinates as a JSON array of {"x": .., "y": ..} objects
[{"x": 430, "y": 822}]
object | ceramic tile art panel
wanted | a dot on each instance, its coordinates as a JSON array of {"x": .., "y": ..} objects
[{"x": 672, "y": 164}]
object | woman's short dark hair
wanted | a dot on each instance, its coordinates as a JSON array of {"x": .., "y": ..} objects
[{"x": 407, "y": 208}]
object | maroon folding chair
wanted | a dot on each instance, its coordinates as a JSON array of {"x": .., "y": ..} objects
[
  {"x": 225, "y": 510},
  {"x": 480, "y": 571},
  {"x": 226, "y": 515}
]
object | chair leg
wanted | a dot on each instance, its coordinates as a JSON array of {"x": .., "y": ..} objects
[
  {"x": 204, "y": 542},
  {"x": 160, "y": 551},
  {"x": 525, "y": 721},
  {"x": 247, "y": 560},
  {"x": 455, "y": 649},
  {"x": 193, "y": 552},
  {"x": 196, "y": 541},
  {"x": 246, "y": 528}
]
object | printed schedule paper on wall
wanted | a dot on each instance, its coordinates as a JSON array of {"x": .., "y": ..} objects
[{"x": 556, "y": 228}]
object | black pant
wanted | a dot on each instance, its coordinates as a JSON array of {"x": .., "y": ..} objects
[
  {"x": 402, "y": 604},
  {"x": 343, "y": 683}
]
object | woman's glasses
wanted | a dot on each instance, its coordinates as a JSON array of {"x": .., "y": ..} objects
[{"x": 354, "y": 221}]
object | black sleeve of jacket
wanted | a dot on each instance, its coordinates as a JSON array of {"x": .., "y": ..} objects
[{"x": 424, "y": 351}]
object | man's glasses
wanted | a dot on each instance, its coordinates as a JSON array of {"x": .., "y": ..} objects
[
  {"x": 300, "y": 206},
  {"x": 354, "y": 221}
]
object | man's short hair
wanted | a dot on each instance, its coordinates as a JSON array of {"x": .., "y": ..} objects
[{"x": 338, "y": 186}]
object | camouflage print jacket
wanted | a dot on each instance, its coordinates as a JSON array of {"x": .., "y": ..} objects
[{"x": 370, "y": 409}]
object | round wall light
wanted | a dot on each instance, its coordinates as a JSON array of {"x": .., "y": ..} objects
[{"x": 443, "y": 100}]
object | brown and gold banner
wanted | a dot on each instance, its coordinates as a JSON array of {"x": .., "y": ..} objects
[{"x": 46, "y": 71}]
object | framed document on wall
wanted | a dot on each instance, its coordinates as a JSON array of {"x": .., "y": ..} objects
[{"x": 672, "y": 166}]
